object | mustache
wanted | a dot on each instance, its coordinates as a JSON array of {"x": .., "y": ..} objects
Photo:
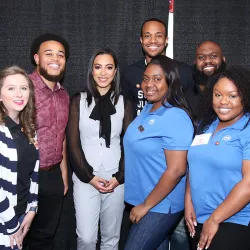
[
  {"x": 202, "y": 79},
  {"x": 208, "y": 65}
]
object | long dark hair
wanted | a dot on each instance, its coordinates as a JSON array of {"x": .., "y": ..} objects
[
  {"x": 174, "y": 95},
  {"x": 28, "y": 114},
  {"x": 241, "y": 79},
  {"x": 91, "y": 89}
]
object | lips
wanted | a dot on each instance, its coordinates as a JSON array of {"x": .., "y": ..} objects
[
  {"x": 102, "y": 79},
  {"x": 153, "y": 47},
  {"x": 19, "y": 102},
  {"x": 224, "y": 111},
  {"x": 54, "y": 66},
  {"x": 208, "y": 67},
  {"x": 150, "y": 92}
]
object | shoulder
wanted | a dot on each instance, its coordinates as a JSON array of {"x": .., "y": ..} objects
[
  {"x": 136, "y": 66},
  {"x": 183, "y": 66},
  {"x": 177, "y": 117}
]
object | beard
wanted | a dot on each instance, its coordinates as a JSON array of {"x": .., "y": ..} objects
[
  {"x": 202, "y": 79},
  {"x": 51, "y": 78}
]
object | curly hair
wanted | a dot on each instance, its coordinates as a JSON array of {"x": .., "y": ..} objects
[
  {"x": 27, "y": 115},
  {"x": 241, "y": 78}
]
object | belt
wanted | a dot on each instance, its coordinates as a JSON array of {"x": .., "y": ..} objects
[{"x": 49, "y": 168}]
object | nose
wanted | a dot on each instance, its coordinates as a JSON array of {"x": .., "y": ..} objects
[
  {"x": 207, "y": 59},
  {"x": 55, "y": 57},
  {"x": 149, "y": 83},
  {"x": 224, "y": 100},
  {"x": 19, "y": 93},
  {"x": 103, "y": 71},
  {"x": 153, "y": 39}
]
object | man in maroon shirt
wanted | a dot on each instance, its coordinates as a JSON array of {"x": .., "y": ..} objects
[{"x": 50, "y": 53}]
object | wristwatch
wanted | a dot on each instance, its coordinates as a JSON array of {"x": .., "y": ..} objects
[{"x": 34, "y": 209}]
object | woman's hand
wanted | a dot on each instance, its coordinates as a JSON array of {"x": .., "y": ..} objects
[
  {"x": 18, "y": 238},
  {"x": 100, "y": 184},
  {"x": 138, "y": 212},
  {"x": 209, "y": 229},
  {"x": 25, "y": 226},
  {"x": 190, "y": 217},
  {"x": 113, "y": 183}
]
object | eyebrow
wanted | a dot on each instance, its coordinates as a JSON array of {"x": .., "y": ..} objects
[
  {"x": 153, "y": 75},
  {"x": 158, "y": 32},
  {"x": 207, "y": 53},
  {"x": 110, "y": 64},
  {"x": 228, "y": 91},
  {"x": 50, "y": 50}
]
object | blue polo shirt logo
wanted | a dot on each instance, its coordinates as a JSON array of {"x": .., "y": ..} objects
[
  {"x": 151, "y": 122},
  {"x": 227, "y": 138}
]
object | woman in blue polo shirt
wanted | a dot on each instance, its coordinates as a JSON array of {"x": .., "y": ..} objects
[
  {"x": 156, "y": 145},
  {"x": 218, "y": 190}
]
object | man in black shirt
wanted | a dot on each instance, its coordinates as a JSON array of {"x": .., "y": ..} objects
[
  {"x": 209, "y": 60},
  {"x": 154, "y": 41}
]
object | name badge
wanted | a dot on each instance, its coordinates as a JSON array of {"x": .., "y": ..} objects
[{"x": 201, "y": 139}]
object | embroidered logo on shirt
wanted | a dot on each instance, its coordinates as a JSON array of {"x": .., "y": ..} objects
[
  {"x": 227, "y": 138},
  {"x": 151, "y": 122}
]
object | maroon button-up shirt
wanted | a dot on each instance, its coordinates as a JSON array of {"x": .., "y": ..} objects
[{"x": 52, "y": 117}]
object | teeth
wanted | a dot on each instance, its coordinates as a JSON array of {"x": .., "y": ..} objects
[
  {"x": 103, "y": 79},
  {"x": 224, "y": 110},
  {"x": 54, "y": 66}
]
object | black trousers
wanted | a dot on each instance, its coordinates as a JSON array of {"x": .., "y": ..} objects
[
  {"x": 50, "y": 202},
  {"x": 230, "y": 236}
]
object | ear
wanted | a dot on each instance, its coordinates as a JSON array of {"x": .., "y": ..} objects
[
  {"x": 36, "y": 58},
  {"x": 166, "y": 41},
  {"x": 224, "y": 59},
  {"x": 141, "y": 40}
]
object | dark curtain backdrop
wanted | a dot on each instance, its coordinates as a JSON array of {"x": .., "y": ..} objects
[
  {"x": 87, "y": 25},
  {"x": 224, "y": 21}
]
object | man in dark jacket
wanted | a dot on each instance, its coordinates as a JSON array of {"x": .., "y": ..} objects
[
  {"x": 154, "y": 41},
  {"x": 209, "y": 60}
]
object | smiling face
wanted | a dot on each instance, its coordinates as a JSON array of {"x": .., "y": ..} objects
[
  {"x": 50, "y": 60},
  {"x": 154, "y": 85},
  {"x": 227, "y": 102},
  {"x": 154, "y": 39},
  {"x": 14, "y": 94},
  {"x": 208, "y": 57},
  {"x": 103, "y": 72}
]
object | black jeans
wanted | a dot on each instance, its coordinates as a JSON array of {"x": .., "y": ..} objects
[
  {"x": 230, "y": 236},
  {"x": 50, "y": 201}
]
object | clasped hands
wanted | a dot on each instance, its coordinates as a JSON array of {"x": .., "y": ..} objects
[{"x": 104, "y": 186}]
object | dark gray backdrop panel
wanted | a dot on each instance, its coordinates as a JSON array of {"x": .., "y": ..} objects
[
  {"x": 224, "y": 21},
  {"x": 87, "y": 25}
]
